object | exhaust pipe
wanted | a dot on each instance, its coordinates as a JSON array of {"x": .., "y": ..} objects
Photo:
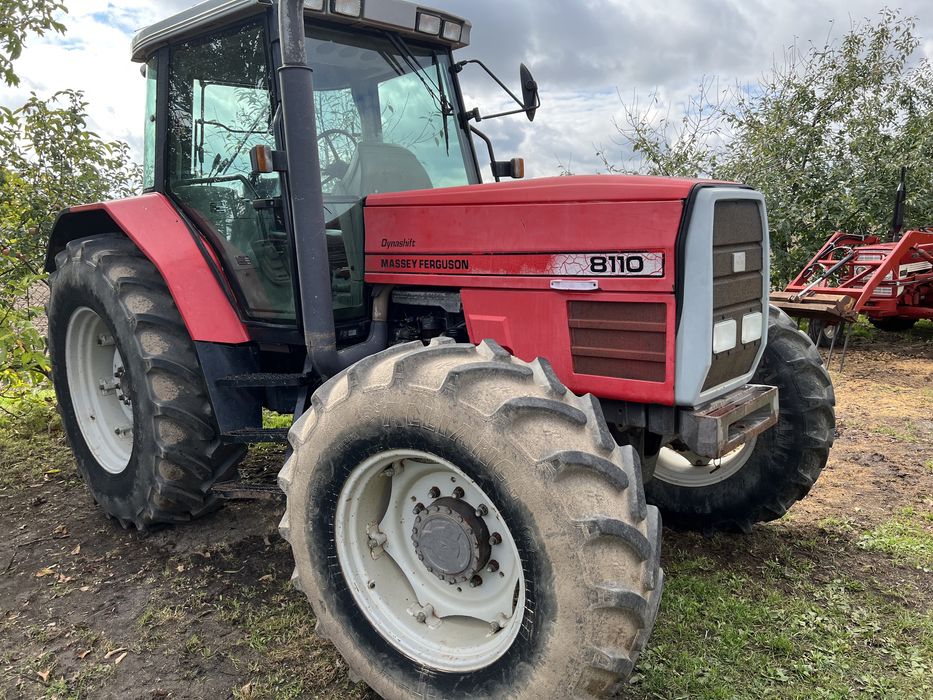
[{"x": 307, "y": 209}]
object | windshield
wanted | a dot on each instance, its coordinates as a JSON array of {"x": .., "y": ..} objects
[{"x": 385, "y": 115}]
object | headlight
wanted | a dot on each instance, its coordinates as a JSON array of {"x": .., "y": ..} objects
[
  {"x": 724, "y": 336},
  {"x": 751, "y": 328},
  {"x": 429, "y": 24},
  {"x": 350, "y": 8},
  {"x": 453, "y": 31}
]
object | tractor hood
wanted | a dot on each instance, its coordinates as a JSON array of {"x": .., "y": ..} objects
[
  {"x": 552, "y": 190},
  {"x": 527, "y": 227}
]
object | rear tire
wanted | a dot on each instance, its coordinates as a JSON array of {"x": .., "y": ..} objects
[
  {"x": 893, "y": 325},
  {"x": 557, "y": 486},
  {"x": 784, "y": 462},
  {"x": 106, "y": 294}
]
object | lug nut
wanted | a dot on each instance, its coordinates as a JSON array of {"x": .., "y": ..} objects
[
  {"x": 476, "y": 581},
  {"x": 418, "y": 508},
  {"x": 421, "y": 617},
  {"x": 493, "y": 566},
  {"x": 495, "y": 539},
  {"x": 434, "y": 492},
  {"x": 482, "y": 512},
  {"x": 458, "y": 492}
]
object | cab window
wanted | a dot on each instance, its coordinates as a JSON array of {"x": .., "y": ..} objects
[{"x": 220, "y": 106}]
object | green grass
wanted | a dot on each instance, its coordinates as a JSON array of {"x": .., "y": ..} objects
[
  {"x": 731, "y": 635},
  {"x": 32, "y": 445},
  {"x": 908, "y": 433},
  {"x": 902, "y": 540},
  {"x": 271, "y": 419}
]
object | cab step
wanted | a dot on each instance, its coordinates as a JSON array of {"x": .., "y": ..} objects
[
  {"x": 252, "y": 436},
  {"x": 262, "y": 380},
  {"x": 239, "y": 491}
]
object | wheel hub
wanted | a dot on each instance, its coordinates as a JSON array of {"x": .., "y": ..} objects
[{"x": 451, "y": 540}]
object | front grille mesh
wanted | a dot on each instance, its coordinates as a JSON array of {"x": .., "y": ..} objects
[
  {"x": 619, "y": 339},
  {"x": 737, "y": 282}
]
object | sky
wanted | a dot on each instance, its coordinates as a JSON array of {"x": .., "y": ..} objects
[{"x": 590, "y": 58}]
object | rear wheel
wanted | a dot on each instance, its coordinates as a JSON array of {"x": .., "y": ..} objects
[
  {"x": 822, "y": 333},
  {"x": 762, "y": 479},
  {"x": 893, "y": 325},
  {"x": 466, "y": 527},
  {"x": 130, "y": 389}
]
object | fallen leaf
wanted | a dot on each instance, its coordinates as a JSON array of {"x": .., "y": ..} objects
[
  {"x": 180, "y": 568},
  {"x": 76, "y": 550},
  {"x": 84, "y": 589},
  {"x": 82, "y": 654},
  {"x": 247, "y": 690},
  {"x": 114, "y": 652},
  {"x": 44, "y": 675},
  {"x": 47, "y": 571},
  {"x": 120, "y": 658},
  {"x": 65, "y": 579},
  {"x": 267, "y": 577},
  {"x": 60, "y": 530}
]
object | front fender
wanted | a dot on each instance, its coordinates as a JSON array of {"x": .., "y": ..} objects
[{"x": 153, "y": 224}]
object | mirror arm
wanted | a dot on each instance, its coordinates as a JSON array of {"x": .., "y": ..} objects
[
  {"x": 460, "y": 66},
  {"x": 492, "y": 152}
]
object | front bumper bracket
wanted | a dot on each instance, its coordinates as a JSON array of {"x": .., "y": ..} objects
[{"x": 726, "y": 423}]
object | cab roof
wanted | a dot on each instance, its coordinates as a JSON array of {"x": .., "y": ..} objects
[{"x": 398, "y": 15}]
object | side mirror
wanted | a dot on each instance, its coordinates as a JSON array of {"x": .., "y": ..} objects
[{"x": 530, "y": 98}]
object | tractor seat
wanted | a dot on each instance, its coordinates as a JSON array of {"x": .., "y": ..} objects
[{"x": 383, "y": 167}]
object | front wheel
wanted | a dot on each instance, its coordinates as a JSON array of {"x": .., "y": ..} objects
[
  {"x": 761, "y": 479},
  {"x": 464, "y": 526}
]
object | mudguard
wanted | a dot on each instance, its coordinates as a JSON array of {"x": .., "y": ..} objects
[{"x": 153, "y": 224}]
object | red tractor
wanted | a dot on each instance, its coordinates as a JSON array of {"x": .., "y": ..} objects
[
  {"x": 468, "y": 518},
  {"x": 890, "y": 281}
]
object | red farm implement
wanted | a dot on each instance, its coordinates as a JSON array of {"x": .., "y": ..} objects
[{"x": 891, "y": 282}]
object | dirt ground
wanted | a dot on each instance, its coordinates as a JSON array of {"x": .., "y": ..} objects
[{"x": 90, "y": 610}]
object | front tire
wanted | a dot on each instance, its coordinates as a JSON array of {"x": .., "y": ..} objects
[
  {"x": 130, "y": 389},
  {"x": 402, "y": 468},
  {"x": 762, "y": 480}
]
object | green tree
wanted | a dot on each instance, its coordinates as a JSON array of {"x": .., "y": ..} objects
[
  {"x": 823, "y": 135},
  {"x": 48, "y": 161},
  {"x": 18, "y": 18}
]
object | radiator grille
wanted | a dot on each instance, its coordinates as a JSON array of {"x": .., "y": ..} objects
[
  {"x": 619, "y": 339},
  {"x": 737, "y": 282}
]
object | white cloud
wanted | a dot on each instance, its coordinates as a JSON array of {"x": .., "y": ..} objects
[
  {"x": 93, "y": 56},
  {"x": 583, "y": 54}
]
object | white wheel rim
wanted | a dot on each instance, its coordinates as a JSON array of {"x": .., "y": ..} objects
[
  {"x": 448, "y": 627},
  {"x": 96, "y": 384},
  {"x": 680, "y": 469}
]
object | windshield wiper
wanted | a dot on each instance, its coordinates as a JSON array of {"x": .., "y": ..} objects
[{"x": 441, "y": 102}]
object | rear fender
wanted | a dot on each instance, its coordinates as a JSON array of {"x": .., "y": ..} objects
[{"x": 153, "y": 224}]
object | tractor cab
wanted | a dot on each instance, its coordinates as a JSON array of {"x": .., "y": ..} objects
[{"x": 388, "y": 117}]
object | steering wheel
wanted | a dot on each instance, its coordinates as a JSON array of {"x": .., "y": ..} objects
[{"x": 331, "y": 143}]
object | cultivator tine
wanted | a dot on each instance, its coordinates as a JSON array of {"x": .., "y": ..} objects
[
  {"x": 832, "y": 346},
  {"x": 845, "y": 346}
]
